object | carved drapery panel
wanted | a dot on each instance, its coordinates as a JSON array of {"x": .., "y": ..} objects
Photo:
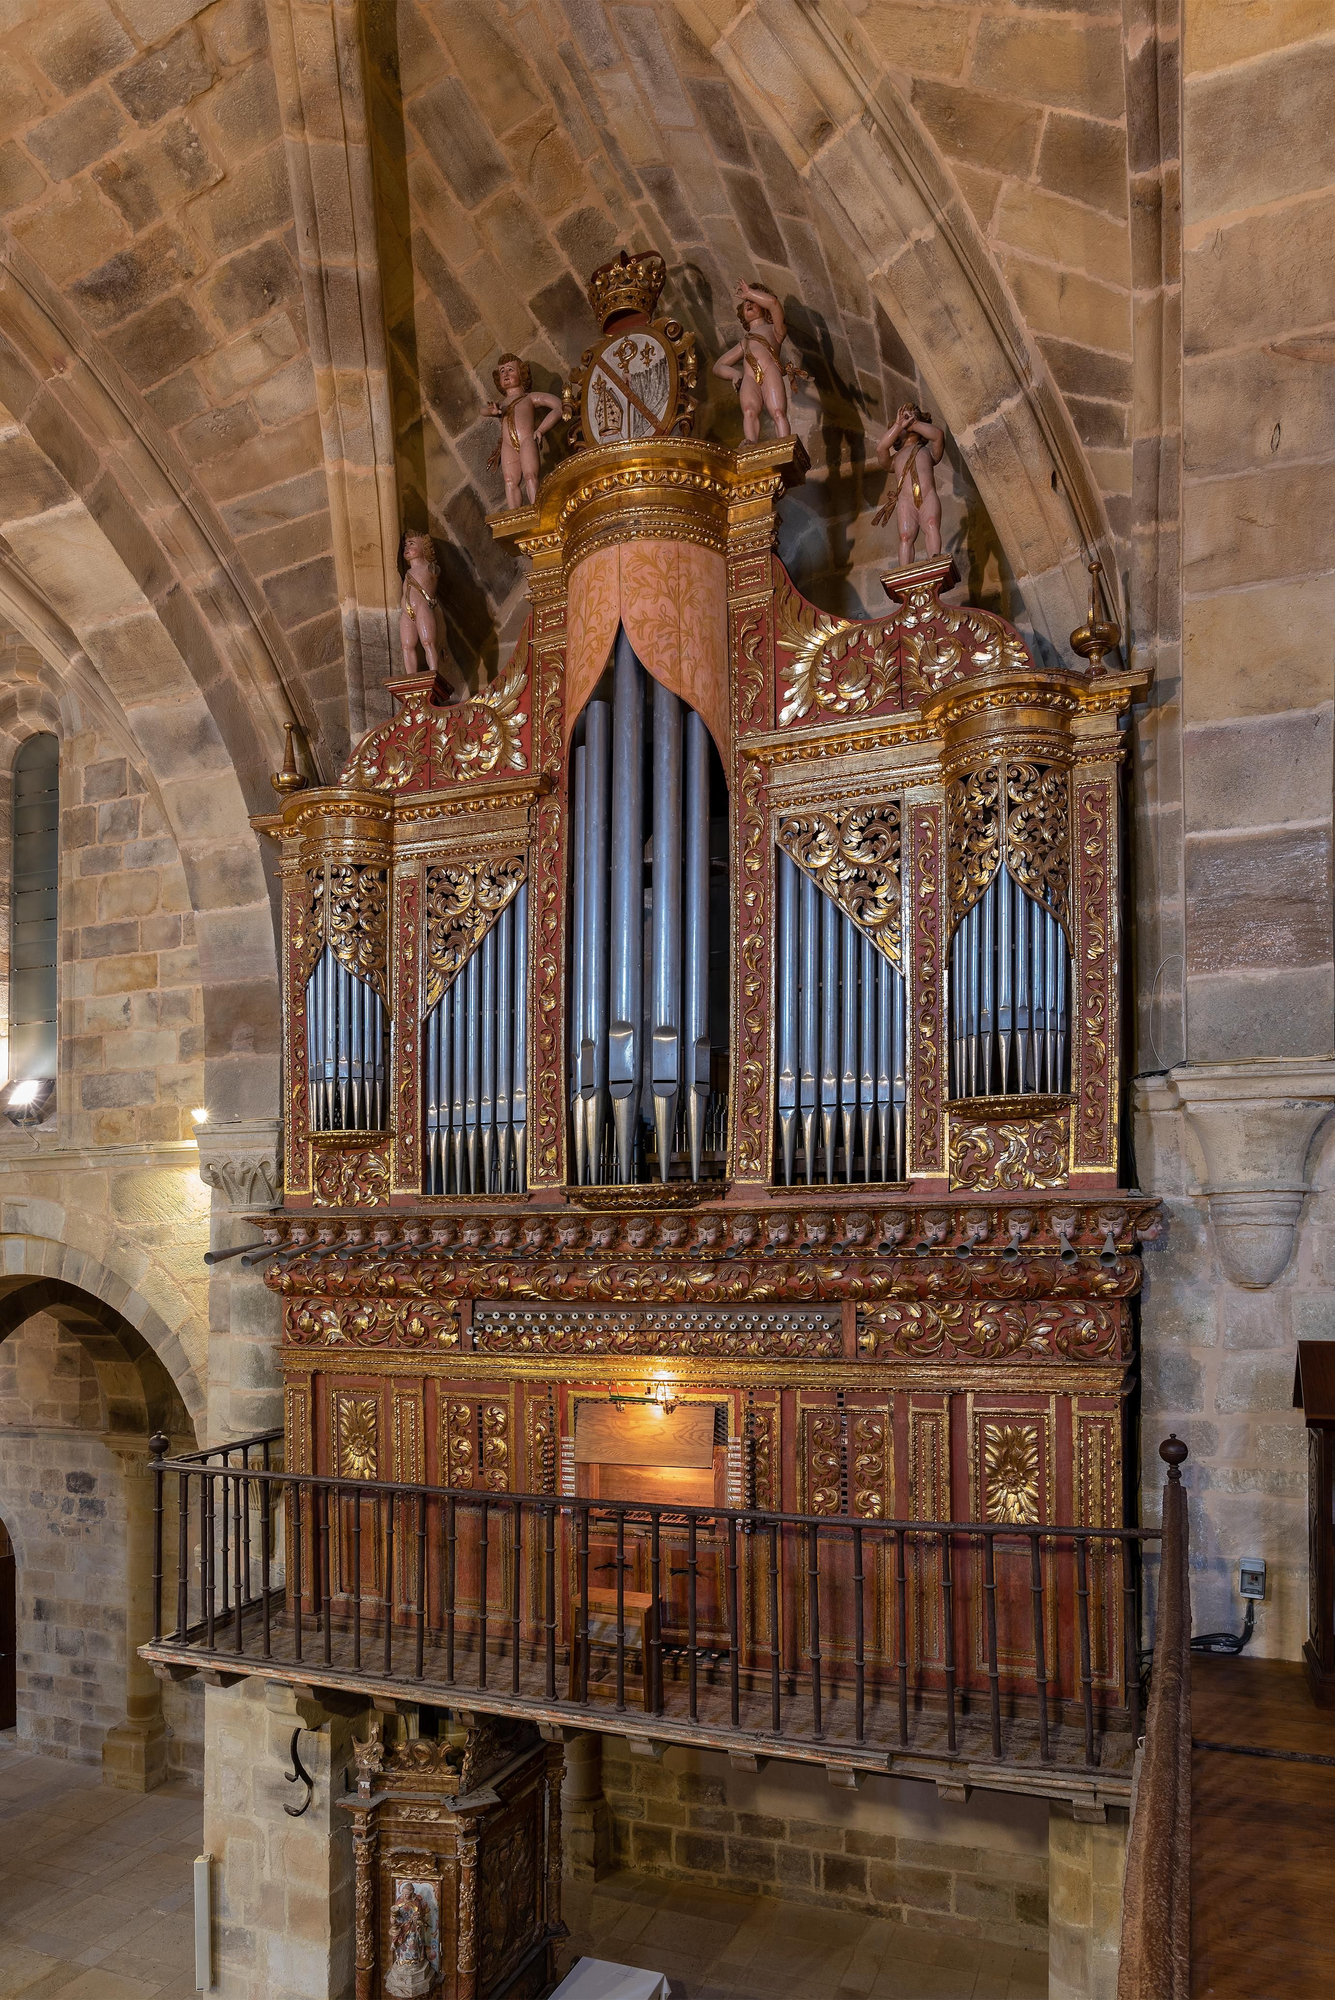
[
  {"x": 854, "y": 854},
  {"x": 993, "y": 1154},
  {"x": 1018, "y": 808},
  {"x": 463, "y": 901}
]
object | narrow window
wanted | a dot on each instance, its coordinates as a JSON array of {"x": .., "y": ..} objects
[{"x": 34, "y": 941}]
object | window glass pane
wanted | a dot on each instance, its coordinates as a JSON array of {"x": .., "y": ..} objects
[{"x": 34, "y": 933}]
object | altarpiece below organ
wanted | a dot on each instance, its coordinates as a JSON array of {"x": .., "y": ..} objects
[{"x": 702, "y": 1070}]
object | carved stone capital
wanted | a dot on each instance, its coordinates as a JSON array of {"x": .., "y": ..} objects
[
  {"x": 243, "y": 1161},
  {"x": 1252, "y": 1128}
]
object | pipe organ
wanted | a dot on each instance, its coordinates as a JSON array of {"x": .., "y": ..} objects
[{"x": 721, "y": 1006}]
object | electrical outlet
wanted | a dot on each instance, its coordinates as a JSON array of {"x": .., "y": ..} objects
[{"x": 1251, "y": 1577}]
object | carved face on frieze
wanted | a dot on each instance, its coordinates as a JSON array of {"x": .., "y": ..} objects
[
  {"x": 857, "y": 1229},
  {"x": 602, "y": 1236},
  {"x": 779, "y": 1230},
  {"x": 745, "y": 1232},
  {"x": 472, "y": 1232},
  {"x": 569, "y": 1234},
  {"x": 639, "y": 1232},
  {"x": 819, "y": 1231},
  {"x": 671, "y": 1233}
]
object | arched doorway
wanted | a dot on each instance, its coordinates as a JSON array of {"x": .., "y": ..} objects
[
  {"x": 81, "y": 1392},
  {"x": 8, "y": 1632}
]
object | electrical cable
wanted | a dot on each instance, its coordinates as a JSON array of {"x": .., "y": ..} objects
[{"x": 1228, "y": 1643}]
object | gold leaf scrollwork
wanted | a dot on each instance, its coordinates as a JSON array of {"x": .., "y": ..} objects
[
  {"x": 358, "y": 1453},
  {"x": 1010, "y": 1460},
  {"x": 973, "y": 809},
  {"x": 837, "y": 667},
  {"x": 1010, "y": 1155},
  {"x": 463, "y": 901},
  {"x": 940, "y": 643},
  {"x": 1038, "y": 833},
  {"x": 350, "y": 910},
  {"x": 481, "y": 735},
  {"x": 855, "y": 857}
]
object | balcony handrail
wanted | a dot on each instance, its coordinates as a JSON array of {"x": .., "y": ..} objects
[
  {"x": 1155, "y": 1961},
  {"x": 192, "y": 1462}
]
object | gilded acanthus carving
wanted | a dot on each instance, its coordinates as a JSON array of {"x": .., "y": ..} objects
[
  {"x": 463, "y": 901},
  {"x": 426, "y": 747},
  {"x": 357, "y": 1426},
  {"x": 1009, "y": 1154},
  {"x": 837, "y": 666},
  {"x": 846, "y": 1469},
  {"x": 973, "y": 810},
  {"x": 1011, "y": 1468},
  {"x": 475, "y": 1444},
  {"x": 370, "y": 1323},
  {"x": 995, "y": 1330},
  {"x": 351, "y": 1179},
  {"x": 350, "y": 903},
  {"x": 941, "y": 644},
  {"x": 855, "y": 855},
  {"x": 1038, "y": 833}
]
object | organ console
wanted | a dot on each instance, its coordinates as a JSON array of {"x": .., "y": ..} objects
[{"x": 719, "y": 1010}]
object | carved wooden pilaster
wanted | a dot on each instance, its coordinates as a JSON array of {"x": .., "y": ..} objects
[
  {"x": 363, "y": 1861},
  {"x": 553, "y": 1772},
  {"x": 466, "y": 1932}
]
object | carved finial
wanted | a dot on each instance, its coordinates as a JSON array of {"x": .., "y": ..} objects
[
  {"x": 1096, "y": 636},
  {"x": 1173, "y": 1453},
  {"x": 289, "y": 779}
]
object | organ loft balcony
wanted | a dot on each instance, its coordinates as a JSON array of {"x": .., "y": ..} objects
[{"x": 708, "y": 1278}]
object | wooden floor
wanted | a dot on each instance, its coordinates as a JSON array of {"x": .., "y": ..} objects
[{"x": 1263, "y": 1835}]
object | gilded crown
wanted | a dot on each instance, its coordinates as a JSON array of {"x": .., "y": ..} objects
[{"x": 627, "y": 284}]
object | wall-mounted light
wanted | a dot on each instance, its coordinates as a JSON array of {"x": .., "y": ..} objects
[
  {"x": 664, "y": 1395},
  {"x": 26, "y": 1101},
  {"x": 200, "y": 1114}
]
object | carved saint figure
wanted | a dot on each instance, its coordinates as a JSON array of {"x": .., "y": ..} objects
[
  {"x": 521, "y": 436},
  {"x": 411, "y": 1971},
  {"x": 755, "y": 366},
  {"x": 913, "y": 445}
]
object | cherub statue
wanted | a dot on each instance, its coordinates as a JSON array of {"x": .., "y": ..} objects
[
  {"x": 755, "y": 366},
  {"x": 914, "y": 445},
  {"x": 421, "y": 624},
  {"x": 520, "y": 439},
  {"x": 410, "y": 1970}
]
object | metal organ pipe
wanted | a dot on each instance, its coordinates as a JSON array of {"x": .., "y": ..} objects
[
  {"x": 627, "y": 901},
  {"x": 666, "y": 1043},
  {"x": 840, "y": 1025},
  {"x": 345, "y": 1049},
  {"x": 593, "y": 1047},
  {"x": 475, "y": 1061},
  {"x": 1009, "y": 970},
  {"x": 695, "y": 883},
  {"x": 645, "y": 1056},
  {"x": 786, "y": 1024}
]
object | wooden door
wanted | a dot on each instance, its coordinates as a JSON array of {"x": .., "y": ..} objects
[{"x": 8, "y": 1633}]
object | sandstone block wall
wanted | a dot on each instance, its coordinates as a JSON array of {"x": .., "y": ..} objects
[{"x": 974, "y": 1870}]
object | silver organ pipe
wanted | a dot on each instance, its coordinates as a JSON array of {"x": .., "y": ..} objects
[
  {"x": 666, "y": 1043},
  {"x": 640, "y": 962},
  {"x": 593, "y": 1046},
  {"x": 1009, "y": 974},
  {"x": 579, "y": 802},
  {"x": 695, "y": 937},
  {"x": 627, "y": 902},
  {"x": 346, "y": 1037},
  {"x": 475, "y": 1066},
  {"x": 840, "y": 1023}
]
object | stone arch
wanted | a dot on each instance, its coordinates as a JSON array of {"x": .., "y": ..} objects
[
  {"x": 139, "y": 1393},
  {"x": 70, "y": 594},
  {"x": 842, "y": 120},
  {"x": 70, "y": 1274}
]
